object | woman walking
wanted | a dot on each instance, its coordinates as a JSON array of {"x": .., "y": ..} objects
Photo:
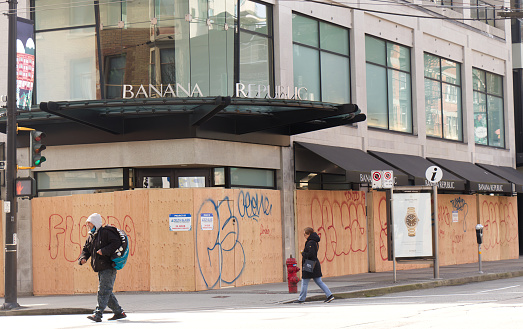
[{"x": 310, "y": 252}]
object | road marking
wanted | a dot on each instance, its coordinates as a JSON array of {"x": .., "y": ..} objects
[{"x": 484, "y": 291}]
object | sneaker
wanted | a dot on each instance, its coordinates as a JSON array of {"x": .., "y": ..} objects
[
  {"x": 329, "y": 299},
  {"x": 118, "y": 316},
  {"x": 95, "y": 318},
  {"x": 298, "y": 302}
]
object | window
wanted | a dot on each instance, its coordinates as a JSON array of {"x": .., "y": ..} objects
[
  {"x": 484, "y": 12},
  {"x": 321, "y": 59},
  {"x": 249, "y": 177},
  {"x": 443, "y": 114},
  {"x": 165, "y": 73},
  {"x": 115, "y": 76},
  {"x": 256, "y": 44},
  {"x": 389, "y": 104},
  {"x": 488, "y": 108}
]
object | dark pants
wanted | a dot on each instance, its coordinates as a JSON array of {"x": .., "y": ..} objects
[{"x": 105, "y": 292}]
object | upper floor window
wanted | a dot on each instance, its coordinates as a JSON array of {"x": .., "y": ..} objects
[
  {"x": 443, "y": 114},
  {"x": 115, "y": 72},
  {"x": 389, "y": 103},
  {"x": 321, "y": 59},
  {"x": 488, "y": 108},
  {"x": 483, "y": 11}
]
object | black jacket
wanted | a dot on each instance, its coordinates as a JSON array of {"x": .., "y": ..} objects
[
  {"x": 311, "y": 252},
  {"x": 105, "y": 240}
]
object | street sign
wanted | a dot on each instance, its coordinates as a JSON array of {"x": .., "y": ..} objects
[
  {"x": 433, "y": 174},
  {"x": 388, "y": 179},
  {"x": 376, "y": 179},
  {"x": 2, "y": 165}
]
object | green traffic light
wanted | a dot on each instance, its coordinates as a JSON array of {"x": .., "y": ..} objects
[{"x": 39, "y": 161}]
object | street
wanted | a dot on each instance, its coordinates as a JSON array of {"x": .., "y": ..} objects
[{"x": 492, "y": 304}]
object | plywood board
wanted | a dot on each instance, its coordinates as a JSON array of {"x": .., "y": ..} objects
[
  {"x": 55, "y": 245},
  {"x": 339, "y": 218},
  {"x": 2, "y": 244},
  {"x": 489, "y": 217},
  {"x": 172, "y": 252},
  {"x": 457, "y": 219},
  {"x": 508, "y": 228},
  {"x": 131, "y": 214}
]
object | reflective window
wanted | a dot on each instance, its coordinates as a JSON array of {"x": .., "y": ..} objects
[
  {"x": 252, "y": 177},
  {"x": 115, "y": 76},
  {"x": 443, "y": 114},
  {"x": 483, "y": 11},
  {"x": 321, "y": 61},
  {"x": 489, "y": 128},
  {"x": 79, "y": 179},
  {"x": 389, "y": 100}
]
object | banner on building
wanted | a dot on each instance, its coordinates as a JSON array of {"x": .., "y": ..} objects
[{"x": 25, "y": 63}]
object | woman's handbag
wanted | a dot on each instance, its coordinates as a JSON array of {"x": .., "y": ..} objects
[{"x": 308, "y": 265}]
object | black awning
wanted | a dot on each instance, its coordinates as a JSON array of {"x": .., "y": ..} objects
[
  {"x": 228, "y": 115},
  {"x": 416, "y": 167},
  {"x": 508, "y": 173},
  {"x": 478, "y": 179},
  {"x": 356, "y": 163}
]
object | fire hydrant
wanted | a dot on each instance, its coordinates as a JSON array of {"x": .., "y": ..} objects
[{"x": 292, "y": 278}]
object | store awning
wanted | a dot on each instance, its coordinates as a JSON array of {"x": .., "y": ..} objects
[
  {"x": 236, "y": 116},
  {"x": 508, "y": 173},
  {"x": 478, "y": 179},
  {"x": 416, "y": 167},
  {"x": 356, "y": 163}
]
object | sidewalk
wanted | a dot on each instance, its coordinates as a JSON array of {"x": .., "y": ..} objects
[{"x": 349, "y": 286}]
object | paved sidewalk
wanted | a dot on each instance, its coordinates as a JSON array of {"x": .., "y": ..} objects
[{"x": 349, "y": 286}]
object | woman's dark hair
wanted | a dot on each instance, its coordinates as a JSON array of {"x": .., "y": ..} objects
[{"x": 309, "y": 230}]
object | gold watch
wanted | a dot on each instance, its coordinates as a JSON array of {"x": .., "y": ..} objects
[{"x": 411, "y": 220}]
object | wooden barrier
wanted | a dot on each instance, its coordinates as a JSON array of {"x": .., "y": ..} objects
[
  {"x": 339, "y": 218},
  {"x": 498, "y": 215},
  {"x": 242, "y": 245}
]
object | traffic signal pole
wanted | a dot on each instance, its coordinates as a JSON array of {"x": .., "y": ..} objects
[{"x": 10, "y": 206}]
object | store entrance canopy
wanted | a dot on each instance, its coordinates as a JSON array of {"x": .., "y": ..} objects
[
  {"x": 356, "y": 163},
  {"x": 508, "y": 173},
  {"x": 416, "y": 167},
  {"x": 221, "y": 114},
  {"x": 478, "y": 179}
]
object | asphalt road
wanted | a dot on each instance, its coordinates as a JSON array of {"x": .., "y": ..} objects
[{"x": 492, "y": 304}]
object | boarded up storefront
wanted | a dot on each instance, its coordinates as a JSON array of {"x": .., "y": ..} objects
[{"x": 240, "y": 243}]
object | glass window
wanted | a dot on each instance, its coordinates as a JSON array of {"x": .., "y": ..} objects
[
  {"x": 252, "y": 177},
  {"x": 321, "y": 60},
  {"x": 483, "y": 11},
  {"x": 115, "y": 76},
  {"x": 79, "y": 179},
  {"x": 443, "y": 114},
  {"x": 389, "y": 100},
  {"x": 60, "y": 14},
  {"x": 253, "y": 17},
  {"x": 488, "y": 108}
]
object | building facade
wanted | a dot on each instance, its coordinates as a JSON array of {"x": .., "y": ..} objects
[{"x": 174, "y": 94}]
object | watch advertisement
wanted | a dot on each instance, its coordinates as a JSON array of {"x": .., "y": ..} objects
[{"x": 412, "y": 225}]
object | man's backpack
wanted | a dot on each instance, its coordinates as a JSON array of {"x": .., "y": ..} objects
[{"x": 119, "y": 257}]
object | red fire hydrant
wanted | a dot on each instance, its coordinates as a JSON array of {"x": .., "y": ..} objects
[{"x": 292, "y": 278}]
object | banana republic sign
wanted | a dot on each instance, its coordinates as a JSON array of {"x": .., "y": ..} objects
[{"x": 242, "y": 90}]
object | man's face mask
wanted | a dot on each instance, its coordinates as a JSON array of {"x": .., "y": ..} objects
[{"x": 93, "y": 230}]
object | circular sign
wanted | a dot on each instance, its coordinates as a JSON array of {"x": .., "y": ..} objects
[
  {"x": 387, "y": 175},
  {"x": 376, "y": 176},
  {"x": 434, "y": 174}
]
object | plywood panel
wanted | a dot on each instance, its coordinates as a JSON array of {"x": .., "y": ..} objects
[
  {"x": 172, "y": 253},
  {"x": 508, "y": 228},
  {"x": 55, "y": 245},
  {"x": 457, "y": 239},
  {"x": 131, "y": 214},
  {"x": 489, "y": 217},
  {"x": 339, "y": 218}
]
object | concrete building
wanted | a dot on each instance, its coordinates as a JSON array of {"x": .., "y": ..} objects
[{"x": 173, "y": 94}]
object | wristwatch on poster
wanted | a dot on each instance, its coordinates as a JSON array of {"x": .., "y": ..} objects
[{"x": 411, "y": 220}]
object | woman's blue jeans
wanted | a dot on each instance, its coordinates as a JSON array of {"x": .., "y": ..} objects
[{"x": 305, "y": 285}]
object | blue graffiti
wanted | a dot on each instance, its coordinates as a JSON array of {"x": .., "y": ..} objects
[
  {"x": 460, "y": 205},
  {"x": 252, "y": 206},
  {"x": 228, "y": 233}
]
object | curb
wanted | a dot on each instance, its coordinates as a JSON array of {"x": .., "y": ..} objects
[
  {"x": 48, "y": 311},
  {"x": 418, "y": 286}
]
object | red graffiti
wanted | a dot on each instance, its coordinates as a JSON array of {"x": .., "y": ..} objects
[
  {"x": 339, "y": 221},
  {"x": 67, "y": 235},
  {"x": 500, "y": 223},
  {"x": 264, "y": 231}
]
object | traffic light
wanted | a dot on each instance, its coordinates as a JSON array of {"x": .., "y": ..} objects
[{"x": 36, "y": 148}]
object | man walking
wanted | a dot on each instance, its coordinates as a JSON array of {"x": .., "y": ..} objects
[{"x": 99, "y": 246}]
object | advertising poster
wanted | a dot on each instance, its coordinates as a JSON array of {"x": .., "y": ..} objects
[
  {"x": 180, "y": 222},
  {"x": 412, "y": 225},
  {"x": 25, "y": 64},
  {"x": 207, "y": 221}
]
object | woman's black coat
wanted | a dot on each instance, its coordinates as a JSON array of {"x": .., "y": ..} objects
[{"x": 311, "y": 252}]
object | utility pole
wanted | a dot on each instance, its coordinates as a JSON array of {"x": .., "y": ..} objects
[{"x": 10, "y": 206}]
